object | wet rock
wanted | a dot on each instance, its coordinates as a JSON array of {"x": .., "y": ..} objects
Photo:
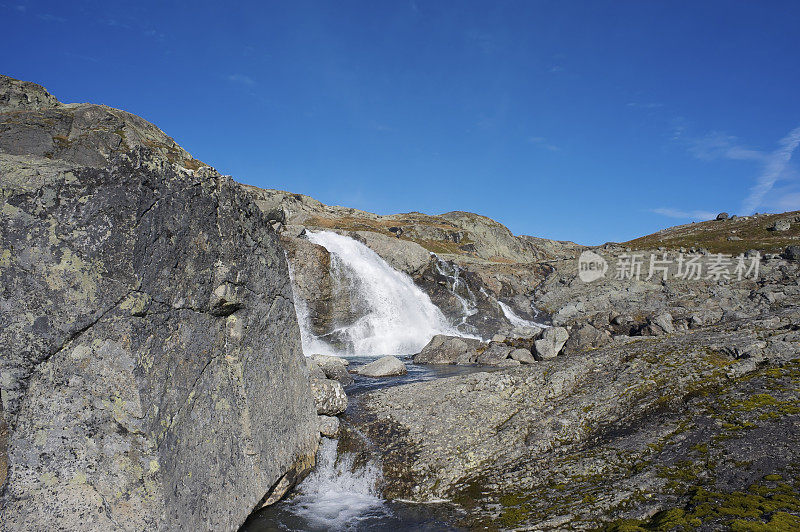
[
  {"x": 387, "y": 366},
  {"x": 328, "y": 426},
  {"x": 551, "y": 342},
  {"x": 522, "y": 355},
  {"x": 329, "y": 397},
  {"x": 324, "y": 360},
  {"x": 443, "y": 349}
]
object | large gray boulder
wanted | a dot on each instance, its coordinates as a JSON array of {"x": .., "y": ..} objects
[
  {"x": 522, "y": 355},
  {"x": 792, "y": 253},
  {"x": 494, "y": 355},
  {"x": 499, "y": 439},
  {"x": 443, "y": 349},
  {"x": 664, "y": 321},
  {"x": 585, "y": 337},
  {"x": 151, "y": 372},
  {"x": 387, "y": 366},
  {"x": 780, "y": 225},
  {"x": 551, "y": 342}
]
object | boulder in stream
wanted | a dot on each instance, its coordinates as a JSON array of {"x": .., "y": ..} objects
[
  {"x": 443, "y": 349},
  {"x": 387, "y": 366}
]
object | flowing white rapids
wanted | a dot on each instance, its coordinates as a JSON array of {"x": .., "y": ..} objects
[
  {"x": 459, "y": 288},
  {"x": 337, "y": 495},
  {"x": 516, "y": 320},
  {"x": 393, "y": 315}
]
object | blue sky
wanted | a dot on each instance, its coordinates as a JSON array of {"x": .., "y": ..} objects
[{"x": 582, "y": 120}]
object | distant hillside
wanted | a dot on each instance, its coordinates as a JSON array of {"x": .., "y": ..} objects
[{"x": 734, "y": 235}]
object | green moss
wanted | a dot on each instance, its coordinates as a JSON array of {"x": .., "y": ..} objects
[
  {"x": 780, "y": 522},
  {"x": 701, "y": 448}
]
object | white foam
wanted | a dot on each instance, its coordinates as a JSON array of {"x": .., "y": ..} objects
[
  {"x": 516, "y": 320},
  {"x": 336, "y": 495},
  {"x": 394, "y": 316}
]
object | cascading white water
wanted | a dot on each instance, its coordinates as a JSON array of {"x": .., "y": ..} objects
[
  {"x": 459, "y": 288},
  {"x": 516, "y": 320},
  {"x": 337, "y": 495},
  {"x": 393, "y": 315}
]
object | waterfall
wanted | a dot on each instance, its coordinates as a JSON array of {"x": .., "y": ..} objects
[
  {"x": 337, "y": 495},
  {"x": 459, "y": 288},
  {"x": 516, "y": 320},
  {"x": 391, "y": 315}
]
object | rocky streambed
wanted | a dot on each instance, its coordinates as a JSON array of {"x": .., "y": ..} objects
[
  {"x": 345, "y": 490},
  {"x": 694, "y": 428}
]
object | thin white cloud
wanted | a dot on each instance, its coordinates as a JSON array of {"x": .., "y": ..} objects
[
  {"x": 242, "y": 79},
  {"x": 542, "y": 142},
  {"x": 774, "y": 167},
  {"x": 720, "y": 146},
  {"x": 684, "y": 215}
]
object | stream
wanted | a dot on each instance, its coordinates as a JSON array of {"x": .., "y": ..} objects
[{"x": 340, "y": 496}]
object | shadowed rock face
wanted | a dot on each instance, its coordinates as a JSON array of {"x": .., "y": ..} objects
[{"x": 151, "y": 370}]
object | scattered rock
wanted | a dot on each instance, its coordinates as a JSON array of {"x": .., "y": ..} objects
[
  {"x": 508, "y": 363},
  {"x": 494, "y": 355},
  {"x": 387, "y": 366},
  {"x": 585, "y": 337},
  {"x": 527, "y": 333},
  {"x": 522, "y": 355},
  {"x": 314, "y": 371},
  {"x": 443, "y": 349},
  {"x": 328, "y": 426},
  {"x": 329, "y": 397},
  {"x": 499, "y": 338},
  {"x": 334, "y": 368},
  {"x": 664, "y": 322},
  {"x": 722, "y": 216},
  {"x": 780, "y": 225},
  {"x": 551, "y": 342},
  {"x": 792, "y": 253}
]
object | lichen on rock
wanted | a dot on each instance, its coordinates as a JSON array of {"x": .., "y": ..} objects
[{"x": 152, "y": 375}]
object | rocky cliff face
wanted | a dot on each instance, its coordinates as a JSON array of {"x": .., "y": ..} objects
[
  {"x": 151, "y": 370},
  {"x": 492, "y": 263}
]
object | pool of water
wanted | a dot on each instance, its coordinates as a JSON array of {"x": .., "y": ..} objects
[{"x": 342, "y": 495}]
